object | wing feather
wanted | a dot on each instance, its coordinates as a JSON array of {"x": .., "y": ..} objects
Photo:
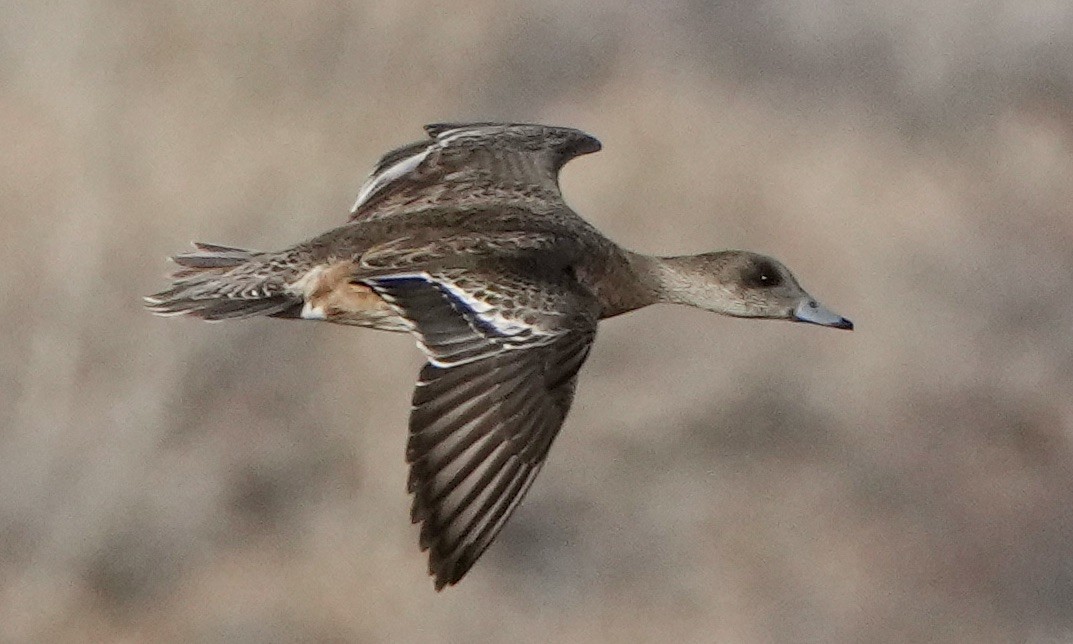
[
  {"x": 471, "y": 163},
  {"x": 484, "y": 416},
  {"x": 469, "y": 473}
]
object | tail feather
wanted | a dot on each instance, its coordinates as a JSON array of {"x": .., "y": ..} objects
[
  {"x": 223, "y": 283},
  {"x": 209, "y": 256}
]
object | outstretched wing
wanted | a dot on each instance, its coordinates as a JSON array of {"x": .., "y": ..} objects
[
  {"x": 464, "y": 164},
  {"x": 489, "y": 403}
]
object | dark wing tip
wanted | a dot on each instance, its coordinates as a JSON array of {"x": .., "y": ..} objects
[
  {"x": 447, "y": 569},
  {"x": 441, "y": 581},
  {"x": 580, "y": 143}
]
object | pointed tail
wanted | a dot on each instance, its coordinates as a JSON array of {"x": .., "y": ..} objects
[{"x": 223, "y": 283}]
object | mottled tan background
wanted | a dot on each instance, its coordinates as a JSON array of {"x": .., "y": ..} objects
[{"x": 718, "y": 480}]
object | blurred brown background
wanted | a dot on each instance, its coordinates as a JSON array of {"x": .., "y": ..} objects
[{"x": 718, "y": 480}]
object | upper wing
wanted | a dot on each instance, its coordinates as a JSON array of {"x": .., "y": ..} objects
[
  {"x": 494, "y": 394},
  {"x": 472, "y": 163}
]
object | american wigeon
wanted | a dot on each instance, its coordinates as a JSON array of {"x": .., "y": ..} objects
[{"x": 464, "y": 240}]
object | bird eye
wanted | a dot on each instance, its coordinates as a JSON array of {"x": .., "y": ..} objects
[{"x": 762, "y": 276}]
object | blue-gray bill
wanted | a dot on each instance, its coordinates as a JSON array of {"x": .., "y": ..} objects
[{"x": 813, "y": 312}]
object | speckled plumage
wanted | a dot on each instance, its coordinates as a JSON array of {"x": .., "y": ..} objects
[{"x": 465, "y": 241}]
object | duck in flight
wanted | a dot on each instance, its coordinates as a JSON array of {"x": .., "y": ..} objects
[{"x": 464, "y": 241}]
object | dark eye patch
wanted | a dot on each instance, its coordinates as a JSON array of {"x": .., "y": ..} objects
[{"x": 762, "y": 274}]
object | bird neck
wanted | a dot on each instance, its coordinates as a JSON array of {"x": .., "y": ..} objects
[{"x": 686, "y": 279}]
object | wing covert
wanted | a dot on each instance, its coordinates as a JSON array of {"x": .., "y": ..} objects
[
  {"x": 469, "y": 164},
  {"x": 501, "y": 373}
]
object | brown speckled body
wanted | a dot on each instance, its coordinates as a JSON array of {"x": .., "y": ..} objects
[
  {"x": 510, "y": 241},
  {"x": 464, "y": 241}
]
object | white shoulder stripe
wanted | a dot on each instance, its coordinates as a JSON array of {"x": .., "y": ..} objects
[
  {"x": 381, "y": 179},
  {"x": 399, "y": 169},
  {"x": 446, "y": 137}
]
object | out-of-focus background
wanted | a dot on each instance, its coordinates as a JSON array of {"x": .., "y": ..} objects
[{"x": 718, "y": 479}]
